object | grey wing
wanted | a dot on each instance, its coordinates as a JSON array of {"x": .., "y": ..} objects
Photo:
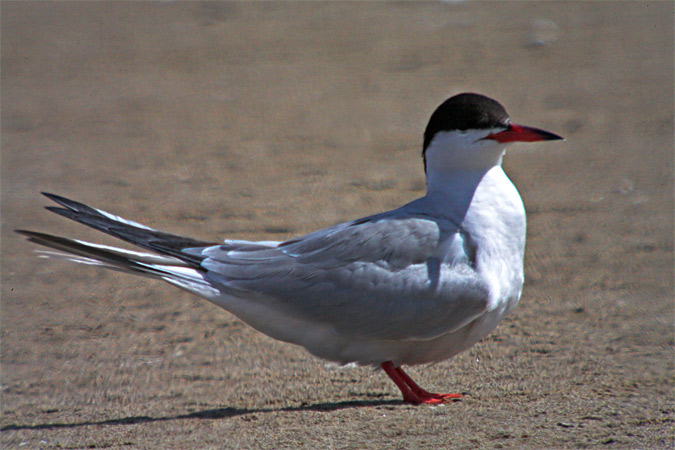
[{"x": 389, "y": 278}]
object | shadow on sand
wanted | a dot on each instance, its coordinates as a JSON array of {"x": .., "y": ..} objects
[{"x": 211, "y": 414}]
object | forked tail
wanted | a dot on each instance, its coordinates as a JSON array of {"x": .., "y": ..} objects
[{"x": 170, "y": 262}]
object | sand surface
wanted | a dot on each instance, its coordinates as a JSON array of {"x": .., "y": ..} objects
[{"x": 268, "y": 120}]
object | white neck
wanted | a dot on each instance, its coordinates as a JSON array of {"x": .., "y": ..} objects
[
  {"x": 457, "y": 152},
  {"x": 457, "y": 161},
  {"x": 465, "y": 182}
]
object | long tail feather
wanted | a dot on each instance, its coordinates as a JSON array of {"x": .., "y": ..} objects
[
  {"x": 173, "y": 270},
  {"x": 128, "y": 260},
  {"x": 127, "y": 230}
]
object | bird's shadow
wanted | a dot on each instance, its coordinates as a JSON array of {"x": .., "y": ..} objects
[{"x": 206, "y": 414}]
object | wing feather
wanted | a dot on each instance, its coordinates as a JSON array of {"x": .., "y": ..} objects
[{"x": 365, "y": 278}]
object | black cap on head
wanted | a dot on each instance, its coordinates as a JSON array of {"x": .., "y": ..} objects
[{"x": 465, "y": 112}]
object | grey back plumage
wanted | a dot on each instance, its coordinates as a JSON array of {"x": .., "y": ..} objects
[{"x": 365, "y": 278}]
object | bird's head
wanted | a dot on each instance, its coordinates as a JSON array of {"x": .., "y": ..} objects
[{"x": 471, "y": 132}]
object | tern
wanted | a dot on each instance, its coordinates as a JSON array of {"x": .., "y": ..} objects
[{"x": 415, "y": 285}]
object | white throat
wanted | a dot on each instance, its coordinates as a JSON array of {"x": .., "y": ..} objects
[
  {"x": 460, "y": 154},
  {"x": 465, "y": 182}
]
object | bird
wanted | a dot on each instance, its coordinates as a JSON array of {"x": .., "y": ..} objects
[{"x": 411, "y": 286}]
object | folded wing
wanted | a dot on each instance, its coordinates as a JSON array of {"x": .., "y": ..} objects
[{"x": 366, "y": 278}]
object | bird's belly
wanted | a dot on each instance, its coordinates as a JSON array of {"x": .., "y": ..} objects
[
  {"x": 325, "y": 342},
  {"x": 347, "y": 349}
]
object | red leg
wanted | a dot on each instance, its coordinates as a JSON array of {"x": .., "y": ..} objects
[
  {"x": 412, "y": 393},
  {"x": 408, "y": 395},
  {"x": 421, "y": 392}
]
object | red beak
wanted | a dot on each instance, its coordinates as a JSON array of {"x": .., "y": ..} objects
[{"x": 520, "y": 133}]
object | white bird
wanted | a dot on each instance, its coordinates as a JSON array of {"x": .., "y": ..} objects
[{"x": 415, "y": 285}]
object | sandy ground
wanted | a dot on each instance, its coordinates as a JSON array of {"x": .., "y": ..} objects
[{"x": 267, "y": 120}]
